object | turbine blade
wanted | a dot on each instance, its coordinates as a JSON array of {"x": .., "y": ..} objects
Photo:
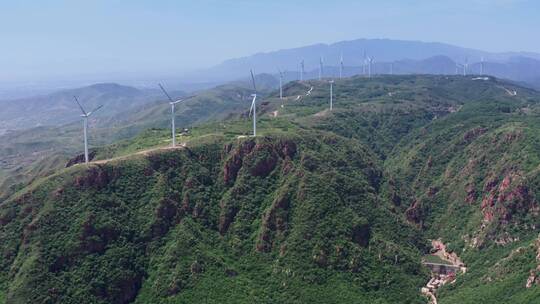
[
  {"x": 184, "y": 99},
  {"x": 253, "y": 81},
  {"x": 167, "y": 94},
  {"x": 252, "y": 105},
  {"x": 99, "y": 107},
  {"x": 79, "y": 104}
]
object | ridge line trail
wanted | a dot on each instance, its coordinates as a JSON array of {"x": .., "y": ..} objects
[
  {"x": 148, "y": 151},
  {"x": 143, "y": 152}
]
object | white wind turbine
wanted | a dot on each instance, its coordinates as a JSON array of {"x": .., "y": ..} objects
[
  {"x": 369, "y": 62},
  {"x": 280, "y": 84},
  {"x": 464, "y": 66},
  {"x": 364, "y": 64},
  {"x": 172, "y": 103},
  {"x": 482, "y": 66},
  {"x": 85, "y": 116},
  {"x": 254, "y": 104}
]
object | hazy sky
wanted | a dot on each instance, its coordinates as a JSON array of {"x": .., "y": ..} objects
[{"x": 44, "y": 39}]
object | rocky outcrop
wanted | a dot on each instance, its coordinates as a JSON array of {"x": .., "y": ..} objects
[
  {"x": 234, "y": 163},
  {"x": 513, "y": 136},
  {"x": 471, "y": 194},
  {"x": 262, "y": 157},
  {"x": 165, "y": 216},
  {"x": 79, "y": 159},
  {"x": 274, "y": 223},
  {"x": 502, "y": 200},
  {"x": 95, "y": 177},
  {"x": 414, "y": 213},
  {"x": 473, "y": 134},
  {"x": 259, "y": 159}
]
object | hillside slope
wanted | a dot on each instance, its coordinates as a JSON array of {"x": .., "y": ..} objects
[
  {"x": 273, "y": 219},
  {"x": 59, "y": 108},
  {"x": 323, "y": 207}
]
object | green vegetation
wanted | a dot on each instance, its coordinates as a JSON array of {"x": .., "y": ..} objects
[{"x": 321, "y": 207}]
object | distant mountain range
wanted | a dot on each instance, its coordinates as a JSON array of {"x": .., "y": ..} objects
[
  {"x": 60, "y": 108},
  {"x": 390, "y": 56},
  {"x": 407, "y": 57}
]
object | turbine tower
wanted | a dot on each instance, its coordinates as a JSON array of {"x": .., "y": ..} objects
[
  {"x": 172, "y": 103},
  {"x": 254, "y": 104},
  {"x": 321, "y": 68},
  {"x": 482, "y": 66},
  {"x": 370, "y": 62},
  {"x": 85, "y": 116},
  {"x": 364, "y": 64},
  {"x": 341, "y": 67},
  {"x": 331, "y": 94}
]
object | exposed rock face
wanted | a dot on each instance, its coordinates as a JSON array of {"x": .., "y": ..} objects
[
  {"x": 79, "y": 159},
  {"x": 274, "y": 223},
  {"x": 234, "y": 163},
  {"x": 414, "y": 213},
  {"x": 513, "y": 136},
  {"x": 96, "y": 177},
  {"x": 502, "y": 200},
  {"x": 263, "y": 165},
  {"x": 473, "y": 134},
  {"x": 260, "y": 159},
  {"x": 471, "y": 194},
  {"x": 165, "y": 215}
]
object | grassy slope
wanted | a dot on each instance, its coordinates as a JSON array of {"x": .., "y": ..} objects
[{"x": 268, "y": 235}]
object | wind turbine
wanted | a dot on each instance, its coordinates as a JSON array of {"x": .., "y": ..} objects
[
  {"x": 172, "y": 103},
  {"x": 370, "y": 62},
  {"x": 280, "y": 84},
  {"x": 331, "y": 94},
  {"x": 302, "y": 70},
  {"x": 364, "y": 64},
  {"x": 254, "y": 104},
  {"x": 85, "y": 116},
  {"x": 320, "y": 67},
  {"x": 465, "y": 66},
  {"x": 482, "y": 66},
  {"x": 341, "y": 66}
]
